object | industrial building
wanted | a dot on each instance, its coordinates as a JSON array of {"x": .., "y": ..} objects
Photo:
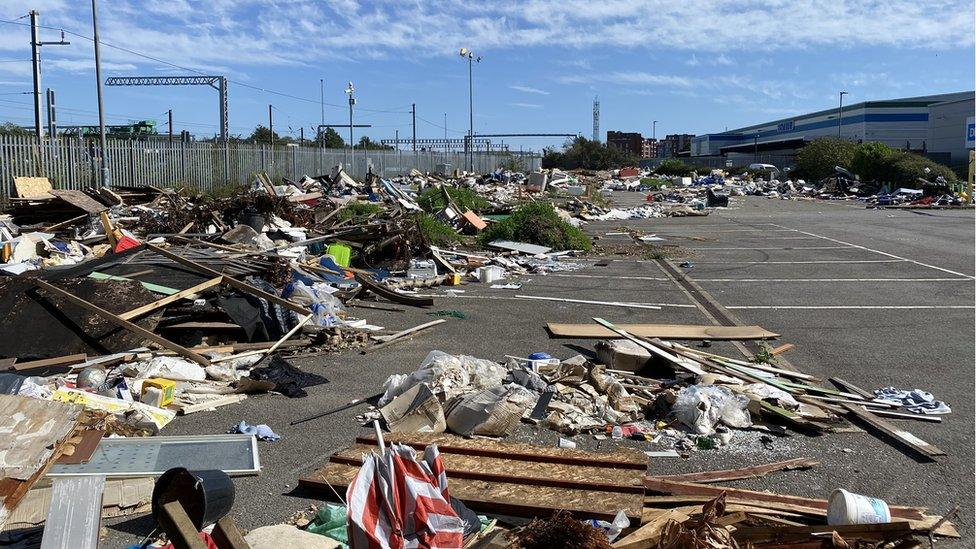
[
  {"x": 938, "y": 126},
  {"x": 630, "y": 142}
]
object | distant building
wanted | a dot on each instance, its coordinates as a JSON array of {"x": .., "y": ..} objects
[
  {"x": 934, "y": 125},
  {"x": 650, "y": 148},
  {"x": 629, "y": 142},
  {"x": 673, "y": 144}
]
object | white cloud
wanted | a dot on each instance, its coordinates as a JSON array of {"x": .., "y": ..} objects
[
  {"x": 255, "y": 32},
  {"x": 526, "y": 105},
  {"x": 528, "y": 89}
]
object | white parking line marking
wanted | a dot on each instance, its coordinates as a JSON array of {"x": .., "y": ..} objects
[
  {"x": 837, "y": 307},
  {"x": 882, "y": 253},
  {"x": 610, "y": 276},
  {"x": 787, "y": 248},
  {"x": 800, "y": 262},
  {"x": 833, "y": 280},
  {"x": 513, "y": 298}
]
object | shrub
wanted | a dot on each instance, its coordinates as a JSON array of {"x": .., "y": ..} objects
[
  {"x": 537, "y": 223},
  {"x": 816, "y": 160},
  {"x": 904, "y": 169},
  {"x": 432, "y": 199},
  {"x": 359, "y": 210},
  {"x": 674, "y": 168},
  {"x": 435, "y": 231},
  {"x": 870, "y": 161},
  {"x": 580, "y": 152}
]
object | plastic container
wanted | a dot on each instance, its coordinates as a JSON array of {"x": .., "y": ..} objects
[
  {"x": 489, "y": 274},
  {"x": 845, "y": 507},
  {"x": 206, "y": 496},
  {"x": 341, "y": 253}
]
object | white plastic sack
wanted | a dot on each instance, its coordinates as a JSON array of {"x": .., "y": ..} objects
[
  {"x": 447, "y": 375},
  {"x": 702, "y": 407}
]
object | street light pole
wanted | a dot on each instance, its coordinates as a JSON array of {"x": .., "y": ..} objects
[
  {"x": 104, "y": 179},
  {"x": 352, "y": 101},
  {"x": 654, "y": 131},
  {"x": 840, "y": 112},
  {"x": 36, "y": 62},
  {"x": 468, "y": 149}
]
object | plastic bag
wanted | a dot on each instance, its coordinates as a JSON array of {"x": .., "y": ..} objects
[
  {"x": 703, "y": 407},
  {"x": 447, "y": 375},
  {"x": 318, "y": 298},
  {"x": 611, "y": 529},
  {"x": 330, "y": 521}
]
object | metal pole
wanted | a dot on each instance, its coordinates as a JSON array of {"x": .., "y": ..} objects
[
  {"x": 352, "y": 146},
  {"x": 445, "y": 125},
  {"x": 396, "y": 139},
  {"x": 224, "y": 125},
  {"x": 271, "y": 141},
  {"x": 104, "y": 179},
  {"x": 840, "y": 112},
  {"x": 36, "y": 60},
  {"x": 413, "y": 111},
  {"x": 169, "y": 122},
  {"x": 322, "y": 99},
  {"x": 52, "y": 125},
  {"x": 470, "y": 111}
]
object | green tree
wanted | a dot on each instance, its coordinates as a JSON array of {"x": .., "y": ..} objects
[
  {"x": 262, "y": 134},
  {"x": 368, "y": 144},
  {"x": 816, "y": 160},
  {"x": 904, "y": 169},
  {"x": 580, "y": 152},
  {"x": 332, "y": 139},
  {"x": 870, "y": 161},
  {"x": 673, "y": 167},
  {"x": 9, "y": 128}
]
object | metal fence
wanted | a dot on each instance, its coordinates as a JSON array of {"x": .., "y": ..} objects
[{"x": 72, "y": 162}]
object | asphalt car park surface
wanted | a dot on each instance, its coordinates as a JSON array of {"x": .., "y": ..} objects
[{"x": 877, "y": 297}]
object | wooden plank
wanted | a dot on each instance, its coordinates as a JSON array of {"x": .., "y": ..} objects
[
  {"x": 665, "y": 486},
  {"x": 450, "y": 444},
  {"x": 663, "y": 331},
  {"x": 884, "y": 531},
  {"x": 159, "y": 303},
  {"x": 784, "y": 348},
  {"x": 901, "y": 415},
  {"x": 80, "y": 200},
  {"x": 184, "y": 409},
  {"x": 32, "y": 187},
  {"x": 851, "y": 388},
  {"x": 236, "y": 284},
  {"x": 386, "y": 293},
  {"x": 125, "y": 324},
  {"x": 894, "y": 433},
  {"x": 502, "y": 497},
  {"x": 179, "y": 528},
  {"x": 747, "y": 472},
  {"x": 649, "y": 534},
  {"x": 56, "y": 364},
  {"x": 226, "y": 535},
  {"x": 654, "y": 349},
  {"x": 83, "y": 448},
  {"x": 393, "y": 338},
  {"x": 496, "y": 469}
]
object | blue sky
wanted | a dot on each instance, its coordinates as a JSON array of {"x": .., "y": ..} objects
[{"x": 696, "y": 67}]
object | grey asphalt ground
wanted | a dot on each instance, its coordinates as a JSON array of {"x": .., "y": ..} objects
[{"x": 821, "y": 307}]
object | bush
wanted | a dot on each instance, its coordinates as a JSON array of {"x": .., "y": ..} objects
[
  {"x": 816, "y": 160},
  {"x": 870, "y": 161},
  {"x": 537, "y": 223},
  {"x": 432, "y": 199},
  {"x": 580, "y": 152},
  {"x": 435, "y": 231},
  {"x": 674, "y": 168},
  {"x": 359, "y": 210},
  {"x": 903, "y": 169}
]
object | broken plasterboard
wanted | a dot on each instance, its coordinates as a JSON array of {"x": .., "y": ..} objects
[
  {"x": 32, "y": 187},
  {"x": 523, "y": 247}
]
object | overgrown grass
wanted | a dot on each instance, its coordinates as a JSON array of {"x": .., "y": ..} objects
[
  {"x": 432, "y": 199},
  {"x": 654, "y": 182},
  {"x": 436, "y": 232},
  {"x": 537, "y": 223},
  {"x": 217, "y": 191},
  {"x": 359, "y": 210}
]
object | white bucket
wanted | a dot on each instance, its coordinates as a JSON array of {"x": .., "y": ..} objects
[{"x": 845, "y": 507}]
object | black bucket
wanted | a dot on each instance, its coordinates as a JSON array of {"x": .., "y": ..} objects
[
  {"x": 253, "y": 219},
  {"x": 206, "y": 496}
]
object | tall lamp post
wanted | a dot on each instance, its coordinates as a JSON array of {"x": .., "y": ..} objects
[
  {"x": 468, "y": 150},
  {"x": 840, "y": 112},
  {"x": 103, "y": 168},
  {"x": 352, "y": 101}
]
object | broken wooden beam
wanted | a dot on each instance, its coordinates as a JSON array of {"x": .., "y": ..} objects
[{"x": 747, "y": 472}]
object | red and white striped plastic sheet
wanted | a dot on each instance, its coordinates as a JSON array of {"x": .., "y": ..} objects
[{"x": 398, "y": 501}]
